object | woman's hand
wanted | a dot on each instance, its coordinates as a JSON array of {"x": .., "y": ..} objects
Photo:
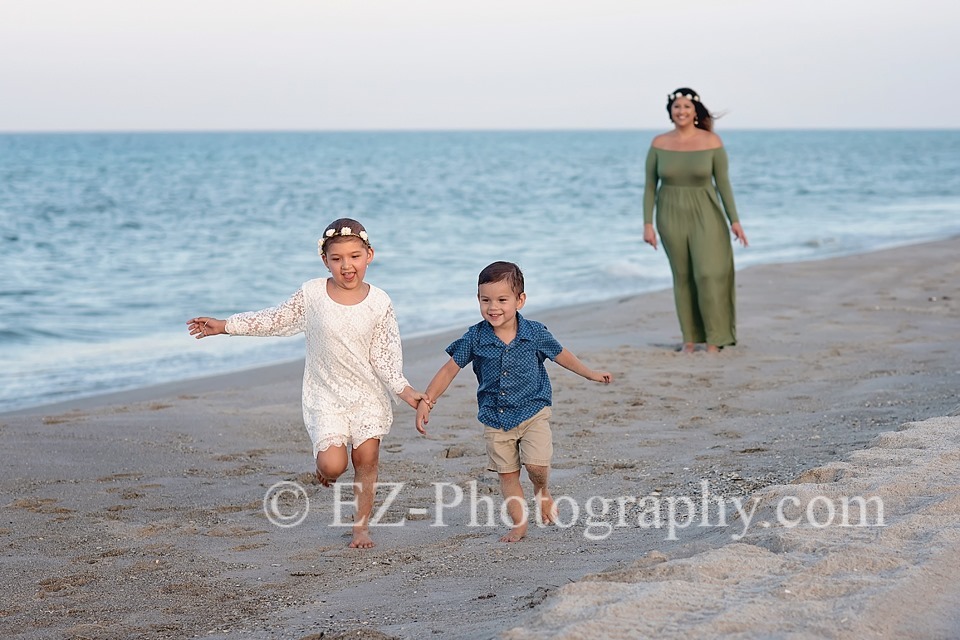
[
  {"x": 650, "y": 235},
  {"x": 739, "y": 234}
]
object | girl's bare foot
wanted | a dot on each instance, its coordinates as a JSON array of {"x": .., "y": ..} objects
[
  {"x": 516, "y": 534},
  {"x": 689, "y": 347},
  {"x": 361, "y": 539},
  {"x": 323, "y": 480}
]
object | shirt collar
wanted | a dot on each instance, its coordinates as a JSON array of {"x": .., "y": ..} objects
[{"x": 524, "y": 331}]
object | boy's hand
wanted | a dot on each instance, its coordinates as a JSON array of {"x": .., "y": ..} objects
[
  {"x": 423, "y": 415},
  {"x": 601, "y": 376}
]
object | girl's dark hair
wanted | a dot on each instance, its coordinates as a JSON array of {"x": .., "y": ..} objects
[
  {"x": 704, "y": 117},
  {"x": 500, "y": 271},
  {"x": 356, "y": 229}
]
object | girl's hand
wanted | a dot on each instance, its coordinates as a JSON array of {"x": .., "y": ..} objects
[
  {"x": 739, "y": 234},
  {"x": 601, "y": 376},
  {"x": 411, "y": 396},
  {"x": 203, "y": 326},
  {"x": 650, "y": 235},
  {"x": 423, "y": 415}
]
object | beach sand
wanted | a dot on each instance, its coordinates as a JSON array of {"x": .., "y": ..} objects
[{"x": 142, "y": 514}]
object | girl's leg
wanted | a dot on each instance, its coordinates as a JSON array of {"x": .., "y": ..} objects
[
  {"x": 540, "y": 477},
  {"x": 366, "y": 460},
  {"x": 331, "y": 463},
  {"x": 516, "y": 505}
]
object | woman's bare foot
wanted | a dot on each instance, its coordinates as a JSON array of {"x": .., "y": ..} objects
[
  {"x": 361, "y": 539},
  {"x": 689, "y": 347},
  {"x": 516, "y": 534},
  {"x": 712, "y": 348}
]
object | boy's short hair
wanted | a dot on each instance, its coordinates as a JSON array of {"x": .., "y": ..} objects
[{"x": 500, "y": 271}]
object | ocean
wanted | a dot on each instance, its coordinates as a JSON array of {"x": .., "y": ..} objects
[{"x": 110, "y": 242}]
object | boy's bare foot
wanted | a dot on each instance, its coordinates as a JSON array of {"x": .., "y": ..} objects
[
  {"x": 361, "y": 539},
  {"x": 547, "y": 508},
  {"x": 516, "y": 534},
  {"x": 689, "y": 347}
]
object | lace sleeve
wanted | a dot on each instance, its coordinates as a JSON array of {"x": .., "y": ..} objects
[
  {"x": 386, "y": 354},
  {"x": 283, "y": 320}
]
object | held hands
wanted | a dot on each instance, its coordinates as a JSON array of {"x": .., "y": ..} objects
[
  {"x": 422, "y": 403},
  {"x": 202, "y": 327},
  {"x": 411, "y": 396},
  {"x": 423, "y": 413},
  {"x": 739, "y": 234}
]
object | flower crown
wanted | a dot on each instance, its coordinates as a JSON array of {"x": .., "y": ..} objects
[
  {"x": 689, "y": 96},
  {"x": 343, "y": 231}
]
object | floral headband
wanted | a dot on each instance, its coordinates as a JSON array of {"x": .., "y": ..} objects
[
  {"x": 343, "y": 231},
  {"x": 689, "y": 96}
]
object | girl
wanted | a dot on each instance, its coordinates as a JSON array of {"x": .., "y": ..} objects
[{"x": 353, "y": 357}]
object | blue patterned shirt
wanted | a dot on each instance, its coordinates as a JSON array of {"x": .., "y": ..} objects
[{"x": 513, "y": 383}]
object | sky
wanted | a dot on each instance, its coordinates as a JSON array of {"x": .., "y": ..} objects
[{"x": 187, "y": 65}]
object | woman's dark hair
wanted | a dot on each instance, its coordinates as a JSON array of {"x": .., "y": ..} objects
[
  {"x": 704, "y": 118},
  {"x": 499, "y": 271}
]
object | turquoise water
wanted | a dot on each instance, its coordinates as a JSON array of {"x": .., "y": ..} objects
[{"x": 109, "y": 242}]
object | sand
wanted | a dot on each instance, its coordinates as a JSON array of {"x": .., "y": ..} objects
[{"x": 142, "y": 514}]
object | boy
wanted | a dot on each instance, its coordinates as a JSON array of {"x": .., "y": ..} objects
[{"x": 513, "y": 394}]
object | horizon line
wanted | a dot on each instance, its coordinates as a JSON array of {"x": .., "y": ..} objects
[{"x": 456, "y": 130}]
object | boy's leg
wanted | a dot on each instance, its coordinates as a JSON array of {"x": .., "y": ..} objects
[
  {"x": 504, "y": 458},
  {"x": 516, "y": 505},
  {"x": 536, "y": 452},
  {"x": 540, "y": 477},
  {"x": 366, "y": 460},
  {"x": 331, "y": 463}
]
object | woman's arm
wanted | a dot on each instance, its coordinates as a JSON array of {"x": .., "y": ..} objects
[
  {"x": 721, "y": 174},
  {"x": 649, "y": 198}
]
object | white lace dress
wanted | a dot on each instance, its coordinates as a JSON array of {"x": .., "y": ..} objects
[{"x": 354, "y": 363}]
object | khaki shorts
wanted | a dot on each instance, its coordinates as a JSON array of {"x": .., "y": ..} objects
[{"x": 530, "y": 442}]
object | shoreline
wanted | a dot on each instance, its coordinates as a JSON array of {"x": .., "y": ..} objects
[
  {"x": 416, "y": 344},
  {"x": 145, "y": 517}
]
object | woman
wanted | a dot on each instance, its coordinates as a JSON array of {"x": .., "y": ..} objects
[{"x": 686, "y": 168}]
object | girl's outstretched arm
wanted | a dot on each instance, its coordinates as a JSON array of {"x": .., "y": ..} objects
[
  {"x": 202, "y": 326},
  {"x": 567, "y": 360}
]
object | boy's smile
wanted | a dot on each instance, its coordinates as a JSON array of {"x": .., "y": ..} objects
[{"x": 499, "y": 304}]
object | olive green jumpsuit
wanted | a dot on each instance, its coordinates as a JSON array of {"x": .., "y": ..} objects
[{"x": 693, "y": 229}]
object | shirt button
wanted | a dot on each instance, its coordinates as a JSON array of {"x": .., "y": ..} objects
[
  {"x": 504, "y": 373},
  {"x": 500, "y": 410}
]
